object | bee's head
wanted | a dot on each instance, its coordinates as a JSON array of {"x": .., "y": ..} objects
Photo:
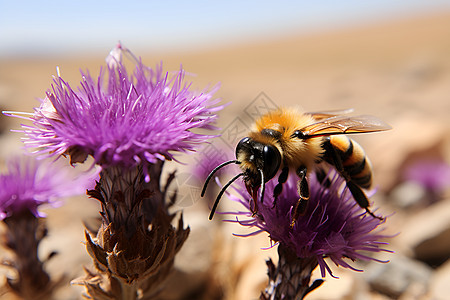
[
  {"x": 258, "y": 159},
  {"x": 259, "y": 163}
]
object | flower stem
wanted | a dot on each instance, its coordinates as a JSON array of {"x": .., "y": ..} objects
[
  {"x": 135, "y": 247},
  {"x": 129, "y": 291},
  {"x": 290, "y": 279},
  {"x": 23, "y": 235}
]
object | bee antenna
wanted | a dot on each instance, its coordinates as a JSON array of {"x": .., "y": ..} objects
[
  {"x": 208, "y": 179},
  {"x": 263, "y": 185},
  {"x": 221, "y": 193}
]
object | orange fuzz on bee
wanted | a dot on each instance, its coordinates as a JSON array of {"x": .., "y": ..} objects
[{"x": 287, "y": 139}]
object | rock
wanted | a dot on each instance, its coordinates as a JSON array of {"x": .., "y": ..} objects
[
  {"x": 435, "y": 250},
  {"x": 426, "y": 235},
  {"x": 439, "y": 286},
  {"x": 407, "y": 194},
  {"x": 196, "y": 253},
  {"x": 393, "y": 150},
  {"x": 400, "y": 276},
  {"x": 337, "y": 288}
]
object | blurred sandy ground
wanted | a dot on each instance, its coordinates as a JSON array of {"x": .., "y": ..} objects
[{"x": 398, "y": 70}]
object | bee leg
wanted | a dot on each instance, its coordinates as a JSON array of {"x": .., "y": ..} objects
[
  {"x": 255, "y": 201},
  {"x": 361, "y": 198},
  {"x": 279, "y": 187},
  {"x": 357, "y": 193},
  {"x": 303, "y": 191},
  {"x": 302, "y": 184}
]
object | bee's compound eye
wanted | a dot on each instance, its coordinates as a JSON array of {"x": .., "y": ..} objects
[
  {"x": 272, "y": 161},
  {"x": 244, "y": 143}
]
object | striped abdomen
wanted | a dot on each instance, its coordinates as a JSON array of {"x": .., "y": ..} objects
[{"x": 354, "y": 161}]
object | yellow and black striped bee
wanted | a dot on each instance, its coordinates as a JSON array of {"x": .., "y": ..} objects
[{"x": 287, "y": 139}]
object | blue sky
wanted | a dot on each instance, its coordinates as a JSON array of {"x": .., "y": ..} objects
[{"x": 53, "y": 27}]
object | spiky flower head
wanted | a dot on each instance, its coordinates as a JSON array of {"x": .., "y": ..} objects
[
  {"x": 333, "y": 227},
  {"x": 29, "y": 183},
  {"x": 122, "y": 119}
]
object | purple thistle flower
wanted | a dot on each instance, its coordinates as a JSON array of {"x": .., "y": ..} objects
[
  {"x": 434, "y": 175},
  {"x": 30, "y": 183},
  {"x": 120, "y": 119},
  {"x": 130, "y": 124},
  {"x": 333, "y": 226}
]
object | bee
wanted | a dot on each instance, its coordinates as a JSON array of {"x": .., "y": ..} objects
[{"x": 287, "y": 139}]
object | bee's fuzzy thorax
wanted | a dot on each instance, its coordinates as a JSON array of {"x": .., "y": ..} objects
[{"x": 295, "y": 152}]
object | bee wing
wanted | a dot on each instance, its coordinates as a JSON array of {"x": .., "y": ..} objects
[
  {"x": 345, "y": 125},
  {"x": 320, "y": 115}
]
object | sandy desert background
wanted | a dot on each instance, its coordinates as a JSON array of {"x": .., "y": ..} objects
[{"x": 397, "y": 69}]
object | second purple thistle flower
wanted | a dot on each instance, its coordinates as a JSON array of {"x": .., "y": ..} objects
[{"x": 333, "y": 226}]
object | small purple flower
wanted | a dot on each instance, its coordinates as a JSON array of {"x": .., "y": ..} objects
[
  {"x": 208, "y": 158},
  {"x": 122, "y": 119},
  {"x": 434, "y": 175},
  {"x": 333, "y": 226},
  {"x": 29, "y": 183}
]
